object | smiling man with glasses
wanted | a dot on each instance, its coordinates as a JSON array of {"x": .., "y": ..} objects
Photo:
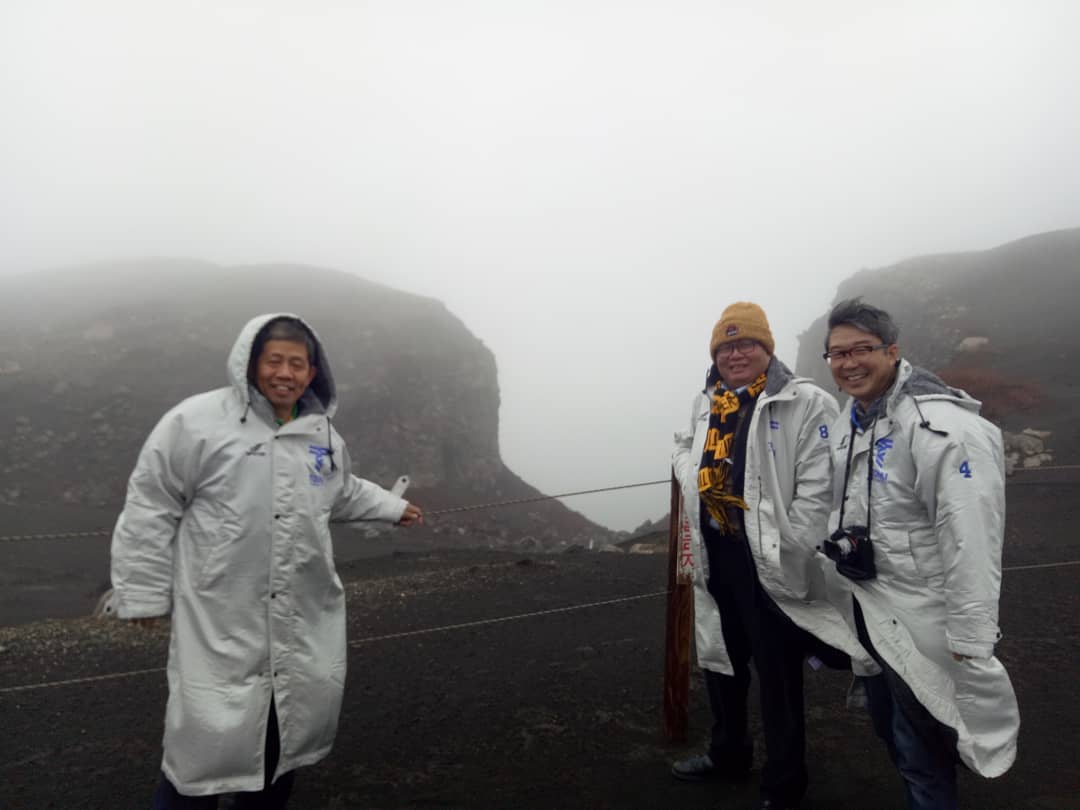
[
  {"x": 919, "y": 502},
  {"x": 863, "y": 365},
  {"x": 754, "y": 470}
]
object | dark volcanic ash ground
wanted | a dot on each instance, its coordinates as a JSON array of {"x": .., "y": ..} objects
[{"x": 548, "y": 710}]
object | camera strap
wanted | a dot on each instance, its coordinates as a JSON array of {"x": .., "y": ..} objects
[{"x": 869, "y": 473}]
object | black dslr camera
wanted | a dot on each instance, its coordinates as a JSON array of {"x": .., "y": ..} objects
[{"x": 850, "y": 549}]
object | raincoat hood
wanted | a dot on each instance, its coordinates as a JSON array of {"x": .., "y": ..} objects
[
  {"x": 321, "y": 395},
  {"x": 925, "y": 386}
]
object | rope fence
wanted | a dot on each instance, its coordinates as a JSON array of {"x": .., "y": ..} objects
[
  {"x": 11, "y": 538},
  {"x": 539, "y": 498},
  {"x": 432, "y": 513},
  {"x": 446, "y": 628}
]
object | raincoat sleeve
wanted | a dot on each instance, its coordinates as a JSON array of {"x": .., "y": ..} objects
[
  {"x": 143, "y": 540},
  {"x": 961, "y": 480},
  {"x": 681, "y": 463},
  {"x": 812, "y": 498},
  {"x": 361, "y": 500}
]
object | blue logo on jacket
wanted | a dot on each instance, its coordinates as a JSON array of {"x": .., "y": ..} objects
[
  {"x": 881, "y": 449},
  {"x": 320, "y": 454}
]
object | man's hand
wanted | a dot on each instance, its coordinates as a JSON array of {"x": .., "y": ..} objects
[
  {"x": 959, "y": 657},
  {"x": 150, "y": 622},
  {"x": 412, "y": 515}
]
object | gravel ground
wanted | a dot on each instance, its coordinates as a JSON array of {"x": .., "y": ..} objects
[{"x": 556, "y": 710}]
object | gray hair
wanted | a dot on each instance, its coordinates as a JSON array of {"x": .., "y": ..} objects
[{"x": 865, "y": 318}]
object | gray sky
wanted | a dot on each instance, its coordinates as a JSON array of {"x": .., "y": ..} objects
[{"x": 586, "y": 184}]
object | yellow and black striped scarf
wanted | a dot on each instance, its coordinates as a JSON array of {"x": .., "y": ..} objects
[{"x": 714, "y": 472}]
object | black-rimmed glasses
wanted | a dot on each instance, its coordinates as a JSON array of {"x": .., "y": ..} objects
[
  {"x": 857, "y": 352},
  {"x": 744, "y": 346}
]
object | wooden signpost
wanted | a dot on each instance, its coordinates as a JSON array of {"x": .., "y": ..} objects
[{"x": 680, "y": 622}]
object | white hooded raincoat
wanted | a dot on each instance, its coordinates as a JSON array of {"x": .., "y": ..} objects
[
  {"x": 226, "y": 527},
  {"x": 787, "y": 480},
  {"x": 936, "y": 525}
]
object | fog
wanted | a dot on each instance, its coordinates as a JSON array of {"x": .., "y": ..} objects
[{"x": 585, "y": 184}]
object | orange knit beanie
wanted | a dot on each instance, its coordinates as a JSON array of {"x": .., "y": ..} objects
[{"x": 741, "y": 321}]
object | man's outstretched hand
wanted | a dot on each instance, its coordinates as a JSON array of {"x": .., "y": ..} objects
[{"x": 412, "y": 515}]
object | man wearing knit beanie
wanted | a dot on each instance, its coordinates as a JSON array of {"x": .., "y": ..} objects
[
  {"x": 742, "y": 320},
  {"x": 755, "y": 474}
]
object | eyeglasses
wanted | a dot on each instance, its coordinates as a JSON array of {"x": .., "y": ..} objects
[
  {"x": 745, "y": 346},
  {"x": 857, "y": 352}
]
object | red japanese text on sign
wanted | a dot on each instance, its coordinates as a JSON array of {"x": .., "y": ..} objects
[{"x": 686, "y": 556}]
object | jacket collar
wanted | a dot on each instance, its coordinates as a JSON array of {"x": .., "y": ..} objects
[
  {"x": 924, "y": 385},
  {"x": 777, "y": 376}
]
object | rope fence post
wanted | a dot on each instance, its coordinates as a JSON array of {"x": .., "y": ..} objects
[{"x": 680, "y": 622}]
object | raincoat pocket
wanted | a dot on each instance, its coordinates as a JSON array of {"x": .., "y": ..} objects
[
  {"x": 212, "y": 549},
  {"x": 214, "y": 565},
  {"x": 926, "y": 554}
]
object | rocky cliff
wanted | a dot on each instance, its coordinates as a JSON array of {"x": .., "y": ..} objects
[
  {"x": 998, "y": 323},
  {"x": 91, "y": 357}
]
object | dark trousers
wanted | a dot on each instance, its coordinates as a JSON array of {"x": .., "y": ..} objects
[
  {"x": 272, "y": 797},
  {"x": 922, "y": 748},
  {"x": 754, "y": 627}
]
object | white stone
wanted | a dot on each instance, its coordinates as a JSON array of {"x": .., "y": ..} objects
[
  {"x": 1025, "y": 444},
  {"x": 972, "y": 344},
  {"x": 1037, "y": 460},
  {"x": 1038, "y": 434}
]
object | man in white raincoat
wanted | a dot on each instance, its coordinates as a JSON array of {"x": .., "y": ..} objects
[
  {"x": 755, "y": 474},
  {"x": 919, "y": 502},
  {"x": 226, "y": 530}
]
